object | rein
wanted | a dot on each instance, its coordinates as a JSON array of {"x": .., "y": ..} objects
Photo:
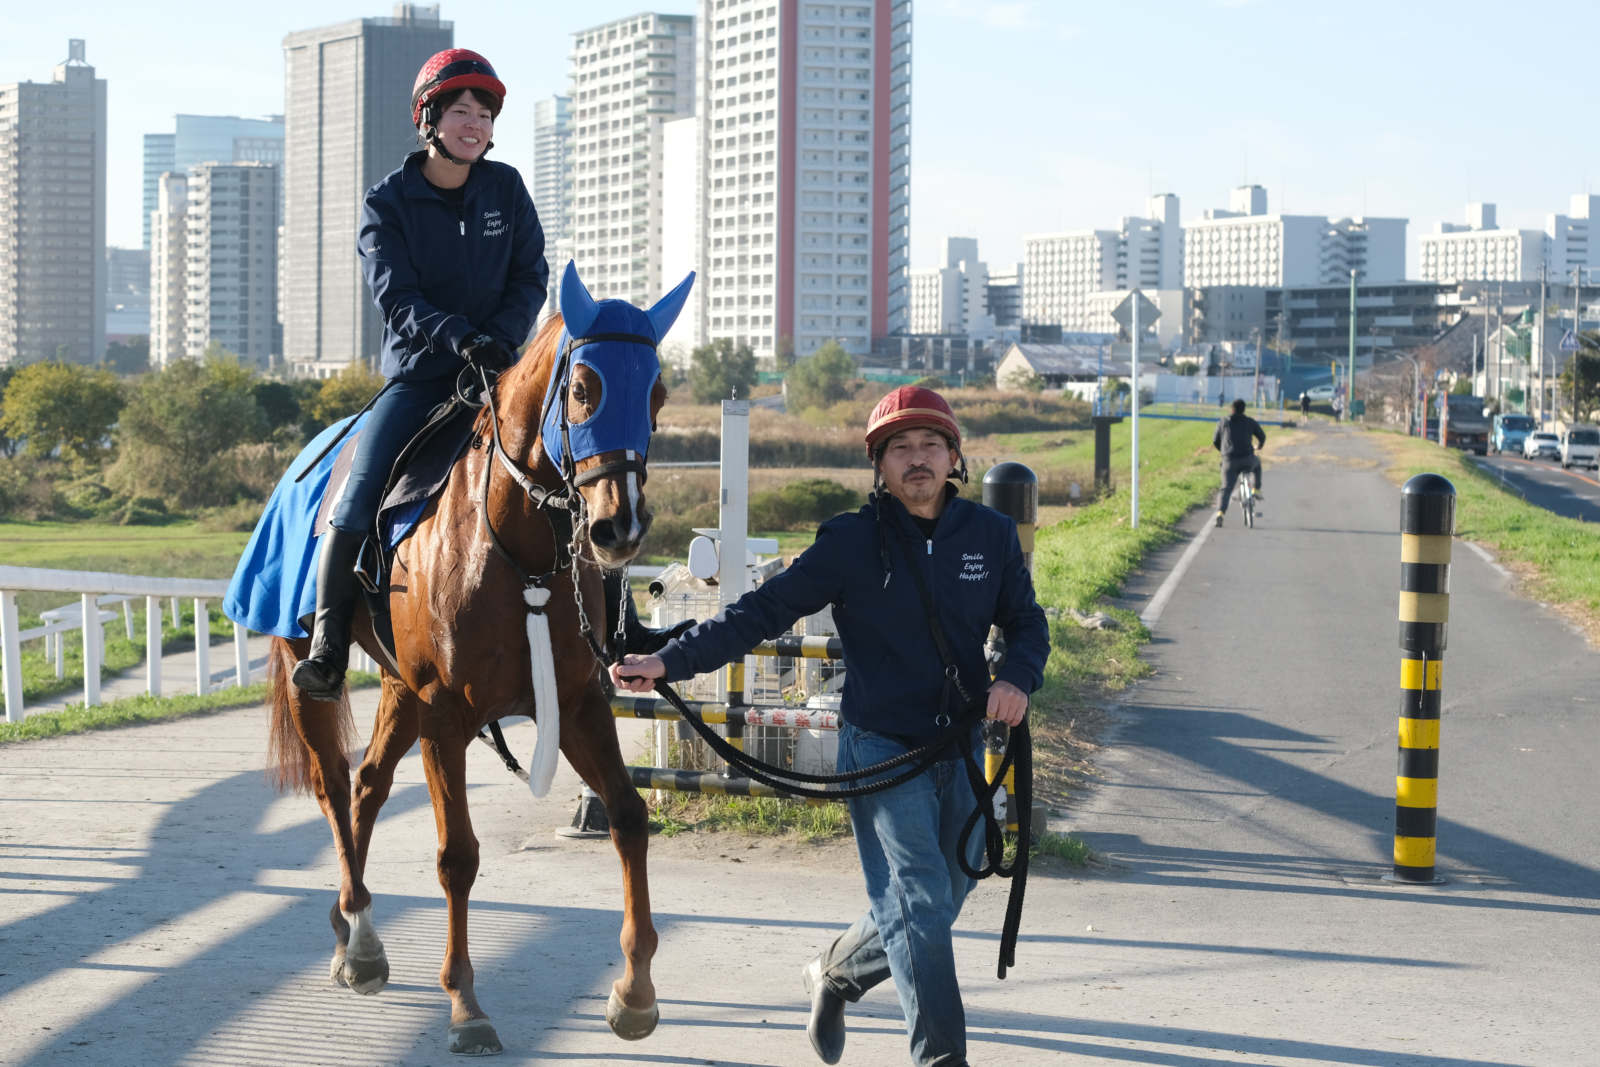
[{"x": 1019, "y": 751}]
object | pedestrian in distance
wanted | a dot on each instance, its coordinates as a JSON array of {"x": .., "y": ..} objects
[
  {"x": 916, "y": 547},
  {"x": 1305, "y": 405},
  {"x": 1237, "y": 437}
]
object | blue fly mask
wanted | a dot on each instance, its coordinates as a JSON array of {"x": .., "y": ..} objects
[{"x": 617, "y": 342}]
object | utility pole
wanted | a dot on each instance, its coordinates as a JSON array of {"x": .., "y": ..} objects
[
  {"x": 1134, "y": 517},
  {"x": 1539, "y": 334},
  {"x": 1350, "y": 376}
]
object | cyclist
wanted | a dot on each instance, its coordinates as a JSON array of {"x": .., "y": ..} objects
[{"x": 1237, "y": 438}]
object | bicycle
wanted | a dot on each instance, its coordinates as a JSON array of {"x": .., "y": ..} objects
[{"x": 1247, "y": 499}]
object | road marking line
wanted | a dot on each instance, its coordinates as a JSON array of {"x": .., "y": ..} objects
[
  {"x": 1487, "y": 558},
  {"x": 1158, "y": 603}
]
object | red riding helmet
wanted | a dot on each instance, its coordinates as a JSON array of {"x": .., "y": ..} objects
[
  {"x": 911, "y": 407},
  {"x": 454, "y": 68}
]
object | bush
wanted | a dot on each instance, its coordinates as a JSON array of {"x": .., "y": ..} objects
[
  {"x": 821, "y": 378},
  {"x": 801, "y": 505}
]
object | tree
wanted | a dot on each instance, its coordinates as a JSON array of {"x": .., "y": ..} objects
[
  {"x": 1580, "y": 378},
  {"x": 783, "y": 355},
  {"x": 720, "y": 371},
  {"x": 345, "y": 394},
  {"x": 130, "y": 358},
  {"x": 278, "y": 403},
  {"x": 821, "y": 378},
  {"x": 178, "y": 427},
  {"x": 64, "y": 406}
]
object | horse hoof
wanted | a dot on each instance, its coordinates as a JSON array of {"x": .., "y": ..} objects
[
  {"x": 475, "y": 1037},
  {"x": 631, "y": 1024},
  {"x": 364, "y": 976}
]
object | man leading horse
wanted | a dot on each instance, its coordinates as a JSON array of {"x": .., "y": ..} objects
[{"x": 915, "y": 579}]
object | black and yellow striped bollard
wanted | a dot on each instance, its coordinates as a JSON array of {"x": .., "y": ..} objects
[
  {"x": 1012, "y": 489},
  {"x": 1427, "y": 521}
]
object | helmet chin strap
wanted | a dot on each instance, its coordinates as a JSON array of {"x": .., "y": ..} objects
[{"x": 430, "y": 134}]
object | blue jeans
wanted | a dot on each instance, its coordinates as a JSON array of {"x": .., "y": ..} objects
[
  {"x": 906, "y": 838},
  {"x": 396, "y": 417}
]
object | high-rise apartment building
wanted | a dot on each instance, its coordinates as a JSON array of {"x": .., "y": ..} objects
[
  {"x": 1061, "y": 270},
  {"x": 628, "y": 78},
  {"x": 1245, "y": 245},
  {"x": 952, "y": 299},
  {"x": 347, "y": 123},
  {"x": 552, "y": 164},
  {"x": 1480, "y": 250},
  {"x": 231, "y": 251},
  {"x": 805, "y": 162},
  {"x": 53, "y": 215},
  {"x": 207, "y": 139},
  {"x": 169, "y": 247}
]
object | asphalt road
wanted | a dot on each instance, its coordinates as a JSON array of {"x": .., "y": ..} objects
[
  {"x": 1574, "y": 493},
  {"x": 163, "y": 906}
]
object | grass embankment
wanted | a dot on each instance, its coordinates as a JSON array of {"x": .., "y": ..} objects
[
  {"x": 180, "y": 550},
  {"x": 1556, "y": 558}
]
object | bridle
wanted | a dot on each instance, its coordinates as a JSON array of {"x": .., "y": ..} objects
[{"x": 562, "y": 506}]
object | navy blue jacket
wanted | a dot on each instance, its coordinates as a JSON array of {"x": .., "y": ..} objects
[
  {"x": 893, "y": 676},
  {"x": 441, "y": 272}
]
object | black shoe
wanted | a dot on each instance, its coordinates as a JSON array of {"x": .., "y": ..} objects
[
  {"x": 826, "y": 1026},
  {"x": 636, "y": 636},
  {"x": 320, "y": 676}
]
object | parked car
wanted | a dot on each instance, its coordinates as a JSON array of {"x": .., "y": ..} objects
[
  {"x": 1320, "y": 393},
  {"x": 1580, "y": 447},
  {"x": 1541, "y": 444}
]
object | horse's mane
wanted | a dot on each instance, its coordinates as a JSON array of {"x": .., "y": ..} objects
[{"x": 531, "y": 372}]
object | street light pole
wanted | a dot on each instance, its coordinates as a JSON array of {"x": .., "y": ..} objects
[{"x": 1350, "y": 375}]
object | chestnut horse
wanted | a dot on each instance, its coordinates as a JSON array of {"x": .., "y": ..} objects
[{"x": 484, "y": 560}]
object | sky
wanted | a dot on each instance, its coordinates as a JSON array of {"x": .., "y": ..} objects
[{"x": 1028, "y": 116}]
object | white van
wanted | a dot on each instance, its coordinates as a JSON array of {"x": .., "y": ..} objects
[{"x": 1580, "y": 447}]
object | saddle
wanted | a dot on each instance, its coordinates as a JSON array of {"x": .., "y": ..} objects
[{"x": 419, "y": 474}]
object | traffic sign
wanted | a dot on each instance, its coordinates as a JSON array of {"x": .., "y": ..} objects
[
  {"x": 1569, "y": 341},
  {"x": 1123, "y": 312}
]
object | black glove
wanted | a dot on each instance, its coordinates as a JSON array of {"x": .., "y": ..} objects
[{"x": 484, "y": 351}]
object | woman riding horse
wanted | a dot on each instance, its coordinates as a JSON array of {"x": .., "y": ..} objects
[{"x": 453, "y": 252}]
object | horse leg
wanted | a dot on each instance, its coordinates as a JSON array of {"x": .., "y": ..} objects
[
  {"x": 589, "y": 739},
  {"x": 359, "y": 961},
  {"x": 444, "y": 758}
]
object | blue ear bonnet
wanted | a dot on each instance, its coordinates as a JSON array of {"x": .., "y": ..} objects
[
  {"x": 616, "y": 341},
  {"x": 627, "y": 370}
]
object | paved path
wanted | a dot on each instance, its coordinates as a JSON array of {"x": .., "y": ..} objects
[{"x": 163, "y": 906}]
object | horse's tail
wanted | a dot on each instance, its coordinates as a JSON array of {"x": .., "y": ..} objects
[{"x": 288, "y": 758}]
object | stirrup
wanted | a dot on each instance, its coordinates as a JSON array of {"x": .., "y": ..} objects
[{"x": 317, "y": 680}]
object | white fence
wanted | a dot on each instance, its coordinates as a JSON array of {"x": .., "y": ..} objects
[{"x": 94, "y": 588}]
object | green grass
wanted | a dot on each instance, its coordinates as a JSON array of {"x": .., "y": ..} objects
[
  {"x": 78, "y": 719},
  {"x": 1559, "y": 557},
  {"x": 763, "y": 816}
]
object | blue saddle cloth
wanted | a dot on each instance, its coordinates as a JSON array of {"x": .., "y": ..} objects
[{"x": 274, "y": 586}]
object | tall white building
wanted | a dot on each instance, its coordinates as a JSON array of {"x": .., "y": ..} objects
[
  {"x": 207, "y": 138},
  {"x": 53, "y": 215},
  {"x": 231, "y": 248},
  {"x": 680, "y": 230},
  {"x": 169, "y": 249},
  {"x": 1480, "y": 250},
  {"x": 629, "y": 77},
  {"x": 805, "y": 151},
  {"x": 1245, "y": 245},
  {"x": 347, "y": 123},
  {"x": 1061, "y": 270},
  {"x": 552, "y": 165},
  {"x": 953, "y": 298}
]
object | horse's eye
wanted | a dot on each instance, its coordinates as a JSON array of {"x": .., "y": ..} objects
[{"x": 579, "y": 394}]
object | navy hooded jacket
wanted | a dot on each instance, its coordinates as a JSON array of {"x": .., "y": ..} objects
[
  {"x": 440, "y": 272},
  {"x": 893, "y": 675}
]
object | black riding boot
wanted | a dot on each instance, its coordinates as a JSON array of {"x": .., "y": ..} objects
[
  {"x": 320, "y": 675},
  {"x": 636, "y": 636}
]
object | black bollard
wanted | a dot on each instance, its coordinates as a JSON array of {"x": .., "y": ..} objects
[
  {"x": 1427, "y": 520},
  {"x": 1102, "y": 450},
  {"x": 1013, "y": 490}
]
